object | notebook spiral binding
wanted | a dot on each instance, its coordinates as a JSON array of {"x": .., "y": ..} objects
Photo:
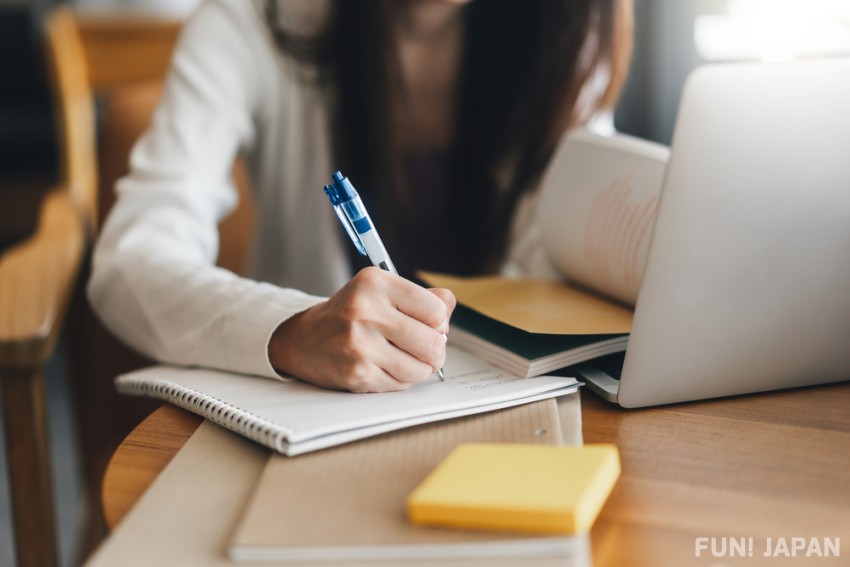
[{"x": 228, "y": 416}]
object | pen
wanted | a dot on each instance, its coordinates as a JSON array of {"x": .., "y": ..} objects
[{"x": 359, "y": 226}]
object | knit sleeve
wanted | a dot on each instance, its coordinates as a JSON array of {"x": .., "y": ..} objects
[{"x": 154, "y": 282}]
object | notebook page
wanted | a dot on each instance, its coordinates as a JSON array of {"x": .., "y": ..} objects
[
  {"x": 304, "y": 412},
  {"x": 597, "y": 206}
]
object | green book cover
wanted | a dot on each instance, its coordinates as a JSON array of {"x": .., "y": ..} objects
[{"x": 522, "y": 343}]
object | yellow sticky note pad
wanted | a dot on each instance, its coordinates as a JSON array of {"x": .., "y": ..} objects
[{"x": 525, "y": 488}]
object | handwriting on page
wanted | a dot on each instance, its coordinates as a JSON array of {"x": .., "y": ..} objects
[
  {"x": 469, "y": 372},
  {"x": 481, "y": 379}
]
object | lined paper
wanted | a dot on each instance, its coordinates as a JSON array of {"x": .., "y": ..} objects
[{"x": 293, "y": 417}]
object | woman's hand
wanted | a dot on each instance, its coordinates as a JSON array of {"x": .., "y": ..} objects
[{"x": 379, "y": 333}]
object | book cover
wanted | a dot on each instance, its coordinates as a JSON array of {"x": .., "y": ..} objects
[{"x": 355, "y": 508}]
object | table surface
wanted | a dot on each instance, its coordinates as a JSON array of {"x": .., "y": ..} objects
[{"x": 751, "y": 470}]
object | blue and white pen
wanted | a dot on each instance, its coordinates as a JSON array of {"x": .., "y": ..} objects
[
  {"x": 351, "y": 212},
  {"x": 359, "y": 226}
]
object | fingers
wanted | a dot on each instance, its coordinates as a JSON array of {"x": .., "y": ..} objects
[
  {"x": 432, "y": 307},
  {"x": 420, "y": 341},
  {"x": 403, "y": 367},
  {"x": 421, "y": 320},
  {"x": 450, "y": 301},
  {"x": 373, "y": 379},
  {"x": 371, "y": 361},
  {"x": 418, "y": 325},
  {"x": 379, "y": 333},
  {"x": 446, "y": 296},
  {"x": 417, "y": 302}
]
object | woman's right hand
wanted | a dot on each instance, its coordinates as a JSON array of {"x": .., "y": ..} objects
[{"x": 378, "y": 333}]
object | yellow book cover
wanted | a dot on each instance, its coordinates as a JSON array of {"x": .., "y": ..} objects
[{"x": 512, "y": 487}]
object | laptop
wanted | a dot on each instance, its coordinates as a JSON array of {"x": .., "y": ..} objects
[{"x": 747, "y": 281}]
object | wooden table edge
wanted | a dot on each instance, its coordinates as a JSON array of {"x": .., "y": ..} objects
[{"x": 142, "y": 455}]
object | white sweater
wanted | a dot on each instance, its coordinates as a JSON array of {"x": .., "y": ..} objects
[{"x": 154, "y": 281}]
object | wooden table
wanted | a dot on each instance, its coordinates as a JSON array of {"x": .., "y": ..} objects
[{"x": 694, "y": 475}]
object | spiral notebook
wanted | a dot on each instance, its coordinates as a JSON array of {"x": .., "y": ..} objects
[{"x": 293, "y": 417}]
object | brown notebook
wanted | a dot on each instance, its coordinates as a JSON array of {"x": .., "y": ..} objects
[
  {"x": 354, "y": 508},
  {"x": 531, "y": 327}
]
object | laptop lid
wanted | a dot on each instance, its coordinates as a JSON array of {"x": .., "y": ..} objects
[{"x": 747, "y": 282}]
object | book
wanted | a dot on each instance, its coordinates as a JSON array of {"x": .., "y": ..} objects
[
  {"x": 187, "y": 517},
  {"x": 594, "y": 218},
  {"x": 294, "y": 417},
  {"x": 529, "y": 326},
  {"x": 517, "y": 488},
  {"x": 348, "y": 503}
]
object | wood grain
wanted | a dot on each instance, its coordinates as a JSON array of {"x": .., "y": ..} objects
[
  {"x": 773, "y": 465},
  {"x": 25, "y": 425},
  {"x": 74, "y": 104},
  {"x": 142, "y": 456},
  {"x": 123, "y": 47},
  {"x": 36, "y": 277}
]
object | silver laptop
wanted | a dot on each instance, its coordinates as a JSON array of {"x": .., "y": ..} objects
[{"x": 747, "y": 281}]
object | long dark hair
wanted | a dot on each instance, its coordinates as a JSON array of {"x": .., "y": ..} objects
[{"x": 523, "y": 67}]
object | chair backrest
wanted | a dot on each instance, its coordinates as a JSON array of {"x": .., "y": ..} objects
[
  {"x": 126, "y": 111},
  {"x": 75, "y": 112}
]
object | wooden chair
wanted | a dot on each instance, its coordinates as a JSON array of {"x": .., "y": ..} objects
[
  {"x": 95, "y": 356},
  {"x": 74, "y": 102},
  {"x": 127, "y": 96},
  {"x": 37, "y": 277}
]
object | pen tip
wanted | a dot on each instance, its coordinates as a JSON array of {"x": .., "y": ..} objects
[{"x": 441, "y": 375}]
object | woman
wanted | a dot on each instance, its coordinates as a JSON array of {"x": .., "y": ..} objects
[{"x": 442, "y": 113}]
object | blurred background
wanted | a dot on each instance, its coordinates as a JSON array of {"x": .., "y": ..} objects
[{"x": 117, "y": 52}]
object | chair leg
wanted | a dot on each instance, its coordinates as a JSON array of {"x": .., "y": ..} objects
[{"x": 29, "y": 467}]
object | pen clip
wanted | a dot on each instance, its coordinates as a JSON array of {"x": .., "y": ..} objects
[{"x": 330, "y": 191}]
